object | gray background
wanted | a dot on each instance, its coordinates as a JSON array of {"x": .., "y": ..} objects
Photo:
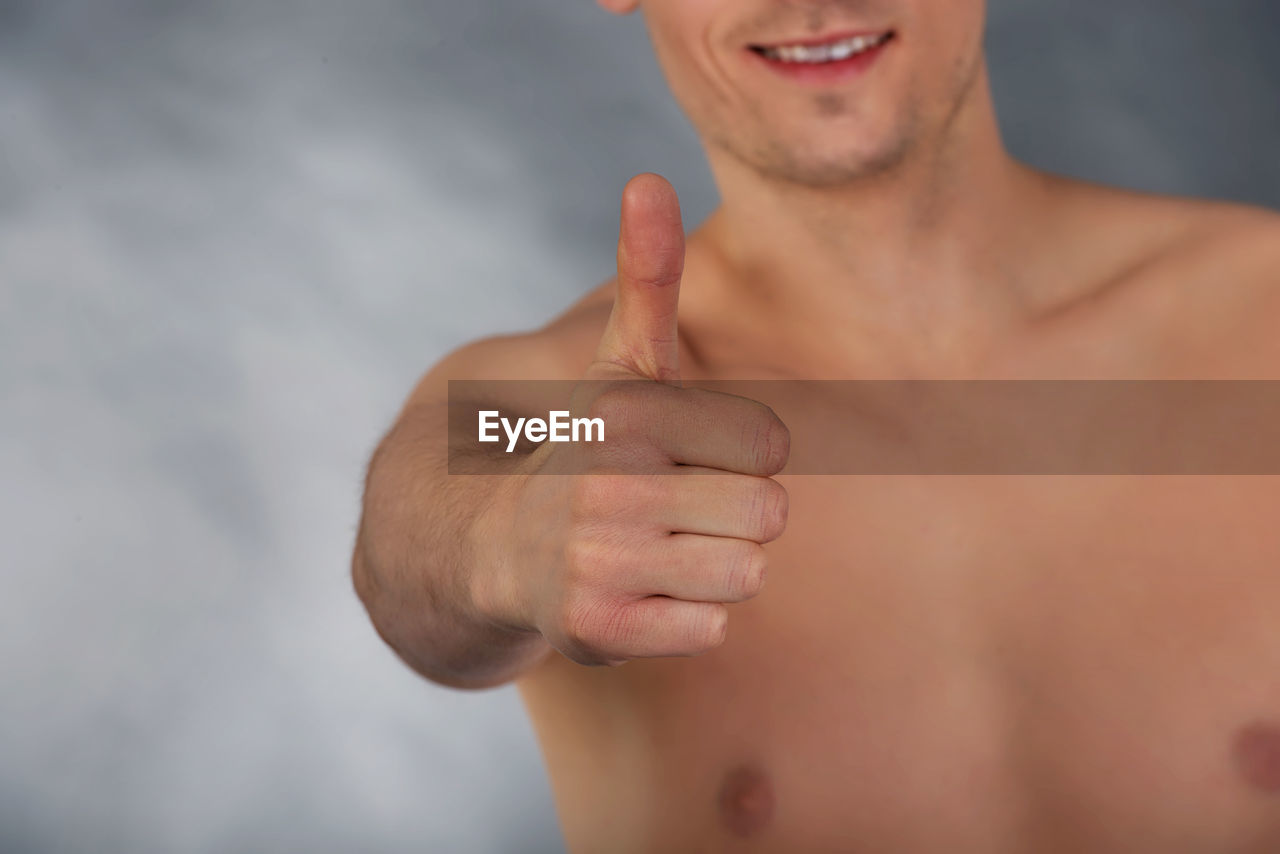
[{"x": 234, "y": 232}]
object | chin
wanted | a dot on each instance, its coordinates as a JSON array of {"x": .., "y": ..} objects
[
  {"x": 834, "y": 151},
  {"x": 830, "y": 167}
]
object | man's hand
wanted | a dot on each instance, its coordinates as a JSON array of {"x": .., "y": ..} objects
[{"x": 634, "y": 549}]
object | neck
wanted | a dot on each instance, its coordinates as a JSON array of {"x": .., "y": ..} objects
[{"x": 917, "y": 254}]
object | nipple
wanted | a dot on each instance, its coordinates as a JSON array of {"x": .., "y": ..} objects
[
  {"x": 1257, "y": 755},
  {"x": 746, "y": 800}
]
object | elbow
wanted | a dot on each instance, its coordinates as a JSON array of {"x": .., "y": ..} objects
[
  {"x": 369, "y": 591},
  {"x": 361, "y": 580}
]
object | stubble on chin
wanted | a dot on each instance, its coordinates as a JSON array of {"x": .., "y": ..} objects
[{"x": 799, "y": 162}]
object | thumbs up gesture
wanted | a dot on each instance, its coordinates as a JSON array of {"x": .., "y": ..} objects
[
  {"x": 640, "y": 340},
  {"x": 637, "y": 547}
]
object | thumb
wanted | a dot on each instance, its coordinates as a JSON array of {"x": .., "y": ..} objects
[{"x": 641, "y": 333}]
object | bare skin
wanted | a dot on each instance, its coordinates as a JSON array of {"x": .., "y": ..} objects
[
  {"x": 934, "y": 663},
  {"x": 968, "y": 663}
]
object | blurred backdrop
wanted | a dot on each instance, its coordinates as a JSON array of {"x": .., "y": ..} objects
[{"x": 232, "y": 235}]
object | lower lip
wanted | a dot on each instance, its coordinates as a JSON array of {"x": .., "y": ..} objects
[{"x": 823, "y": 73}]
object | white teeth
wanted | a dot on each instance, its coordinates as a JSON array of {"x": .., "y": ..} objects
[{"x": 831, "y": 52}]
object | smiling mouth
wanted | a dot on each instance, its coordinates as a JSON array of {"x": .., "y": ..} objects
[{"x": 836, "y": 50}]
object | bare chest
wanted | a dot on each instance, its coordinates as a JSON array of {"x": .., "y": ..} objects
[
  {"x": 985, "y": 664},
  {"x": 1085, "y": 660}
]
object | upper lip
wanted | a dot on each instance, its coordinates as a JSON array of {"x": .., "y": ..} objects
[{"x": 811, "y": 41}]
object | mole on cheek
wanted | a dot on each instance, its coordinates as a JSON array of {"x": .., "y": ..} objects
[
  {"x": 746, "y": 800},
  {"x": 1257, "y": 755}
]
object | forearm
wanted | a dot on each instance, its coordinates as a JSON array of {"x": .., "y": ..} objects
[{"x": 416, "y": 558}]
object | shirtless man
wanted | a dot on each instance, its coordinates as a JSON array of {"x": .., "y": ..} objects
[{"x": 937, "y": 664}]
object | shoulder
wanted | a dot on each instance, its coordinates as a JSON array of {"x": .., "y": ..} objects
[
  {"x": 1221, "y": 275},
  {"x": 1149, "y": 228},
  {"x": 1240, "y": 243},
  {"x": 1235, "y": 240},
  {"x": 1192, "y": 284},
  {"x": 560, "y": 350},
  {"x": 1207, "y": 273}
]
